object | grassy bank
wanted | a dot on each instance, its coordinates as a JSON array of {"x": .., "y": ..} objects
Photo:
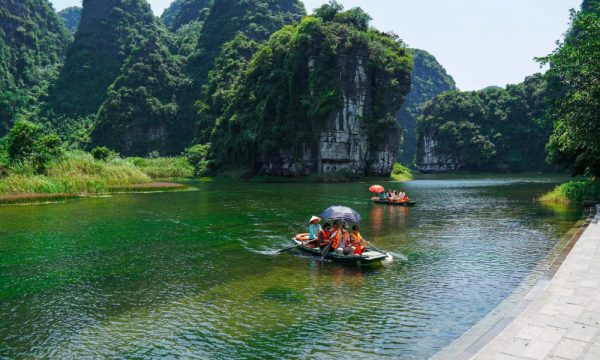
[
  {"x": 78, "y": 173},
  {"x": 573, "y": 192},
  {"x": 401, "y": 173},
  {"x": 163, "y": 167}
]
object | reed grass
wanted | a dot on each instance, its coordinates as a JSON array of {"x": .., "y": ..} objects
[
  {"x": 164, "y": 167},
  {"x": 76, "y": 173}
]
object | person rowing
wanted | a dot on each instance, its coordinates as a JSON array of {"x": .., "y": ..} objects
[
  {"x": 359, "y": 244},
  {"x": 324, "y": 235},
  {"x": 314, "y": 228}
]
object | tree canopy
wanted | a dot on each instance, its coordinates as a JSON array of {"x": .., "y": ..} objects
[{"x": 574, "y": 78}]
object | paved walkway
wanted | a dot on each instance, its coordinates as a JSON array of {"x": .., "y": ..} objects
[{"x": 563, "y": 321}]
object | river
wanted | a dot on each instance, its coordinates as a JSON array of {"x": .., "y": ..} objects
[{"x": 193, "y": 274}]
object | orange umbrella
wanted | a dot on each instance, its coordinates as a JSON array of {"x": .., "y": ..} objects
[{"x": 376, "y": 189}]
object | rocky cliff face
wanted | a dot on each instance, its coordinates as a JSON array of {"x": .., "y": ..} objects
[
  {"x": 428, "y": 79},
  {"x": 431, "y": 160}
]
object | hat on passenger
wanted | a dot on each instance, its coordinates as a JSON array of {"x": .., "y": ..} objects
[{"x": 315, "y": 219}]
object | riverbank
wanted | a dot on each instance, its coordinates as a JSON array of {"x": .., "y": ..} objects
[
  {"x": 558, "y": 318},
  {"x": 78, "y": 174},
  {"x": 574, "y": 192}
]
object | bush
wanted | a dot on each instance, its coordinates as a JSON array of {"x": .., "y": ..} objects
[
  {"x": 401, "y": 172},
  {"x": 48, "y": 148},
  {"x": 22, "y": 138},
  {"x": 574, "y": 192},
  {"x": 196, "y": 156},
  {"x": 103, "y": 153}
]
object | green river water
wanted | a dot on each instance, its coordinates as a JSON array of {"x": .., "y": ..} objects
[{"x": 194, "y": 274}]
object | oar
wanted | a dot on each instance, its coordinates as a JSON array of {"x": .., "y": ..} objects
[
  {"x": 326, "y": 249},
  {"x": 295, "y": 246},
  {"x": 373, "y": 246}
]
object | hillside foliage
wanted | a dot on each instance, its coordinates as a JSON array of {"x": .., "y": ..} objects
[
  {"x": 71, "y": 16},
  {"x": 493, "y": 130},
  {"x": 33, "y": 42}
]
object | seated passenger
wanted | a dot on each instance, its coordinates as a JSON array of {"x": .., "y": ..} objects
[
  {"x": 359, "y": 244},
  {"x": 403, "y": 196},
  {"x": 324, "y": 236},
  {"x": 314, "y": 227},
  {"x": 342, "y": 242}
]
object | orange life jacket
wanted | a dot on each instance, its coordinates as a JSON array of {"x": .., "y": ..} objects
[
  {"x": 336, "y": 240},
  {"x": 357, "y": 238},
  {"x": 324, "y": 236}
]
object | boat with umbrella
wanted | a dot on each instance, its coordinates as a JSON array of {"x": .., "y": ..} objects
[
  {"x": 349, "y": 216},
  {"x": 378, "y": 189}
]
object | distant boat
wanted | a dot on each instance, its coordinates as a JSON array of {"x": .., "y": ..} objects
[{"x": 409, "y": 203}]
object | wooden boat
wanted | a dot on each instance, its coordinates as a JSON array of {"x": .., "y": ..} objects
[
  {"x": 370, "y": 257},
  {"x": 409, "y": 203}
]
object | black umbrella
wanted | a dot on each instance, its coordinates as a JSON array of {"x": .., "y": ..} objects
[{"x": 343, "y": 213}]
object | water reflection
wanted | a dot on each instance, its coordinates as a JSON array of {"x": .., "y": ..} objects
[{"x": 382, "y": 217}]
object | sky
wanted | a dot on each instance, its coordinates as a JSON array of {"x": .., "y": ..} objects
[{"x": 480, "y": 42}]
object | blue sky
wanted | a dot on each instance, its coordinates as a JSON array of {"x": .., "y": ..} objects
[{"x": 479, "y": 42}]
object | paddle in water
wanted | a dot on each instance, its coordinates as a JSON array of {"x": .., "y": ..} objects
[{"x": 295, "y": 246}]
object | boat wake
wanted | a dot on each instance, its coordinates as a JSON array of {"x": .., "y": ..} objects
[{"x": 398, "y": 256}]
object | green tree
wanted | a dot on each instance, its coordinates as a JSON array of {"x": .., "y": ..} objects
[
  {"x": 22, "y": 139},
  {"x": 574, "y": 77}
]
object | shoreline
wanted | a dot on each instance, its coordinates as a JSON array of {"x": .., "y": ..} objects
[
  {"x": 40, "y": 198},
  {"x": 489, "y": 329}
]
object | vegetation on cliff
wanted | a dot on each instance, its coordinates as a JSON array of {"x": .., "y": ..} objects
[
  {"x": 71, "y": 17},
  {"x": 33, "y": 42},
  {"x": 256, "y": 19},
  {"x": 109, "y": 33},
  {"x": 140, "y": 113},
  {"x": 489, "y": 130},
  {"x": 288, "y": 90},
  {"x": 428, "y": 79},
  {"x": 184, "y": 12}
]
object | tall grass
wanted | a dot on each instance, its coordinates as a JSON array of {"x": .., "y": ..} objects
[
  {"x": 76, "y": 173},
  {"x": 573, "y": 192},
  {"x": 164, "y": 167}
]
